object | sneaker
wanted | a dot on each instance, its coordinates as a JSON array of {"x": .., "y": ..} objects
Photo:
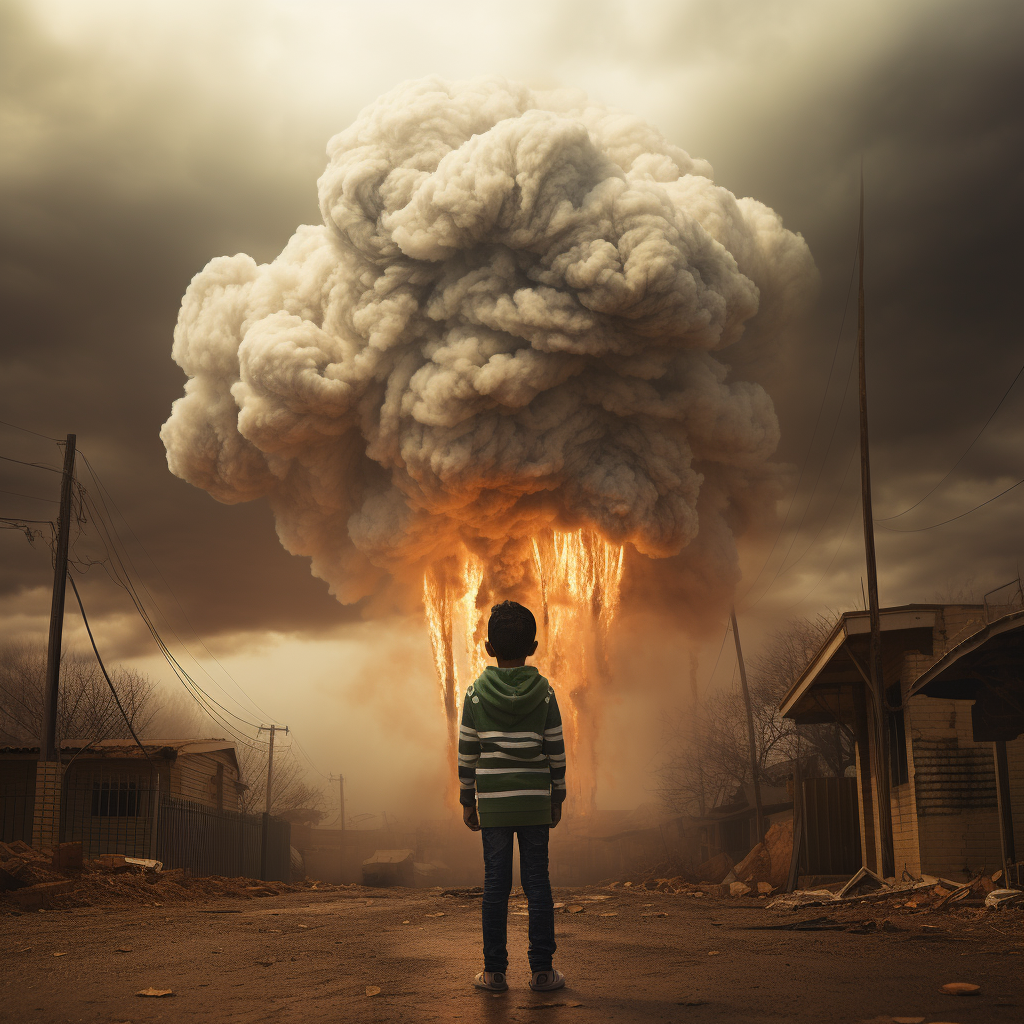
[
  {"x": 547, "y": 981},
  {"x": 492, "y": 981}
]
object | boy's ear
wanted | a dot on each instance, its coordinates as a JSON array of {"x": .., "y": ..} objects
[
  {"x": 533, "y": 649},
  {"x": 489, "y": 649}
]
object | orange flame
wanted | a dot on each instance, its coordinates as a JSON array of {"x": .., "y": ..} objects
[{"x": 578, "y": 579}]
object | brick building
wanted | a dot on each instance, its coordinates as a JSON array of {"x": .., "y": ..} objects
[
  {"x": 109, "y": 789},
  {"x": 956, "y": 758}
]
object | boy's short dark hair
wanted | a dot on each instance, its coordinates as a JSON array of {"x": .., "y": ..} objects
[{"x": 511, "y": 630}]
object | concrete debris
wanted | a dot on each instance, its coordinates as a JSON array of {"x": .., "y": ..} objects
[
  {"x": 739, "y": 889},
  {"x": 802, "y": 898},
  {"x": 1004, "y": 898},
  {"x": 863, "y": 882},
  {"x": 138, "y": 862}
]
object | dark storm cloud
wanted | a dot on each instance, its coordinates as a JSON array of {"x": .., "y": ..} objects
[
  {"x": 933, "y": 106},
  {"x": 115, "y": 191},
  {"x": 119, "y": 185}
]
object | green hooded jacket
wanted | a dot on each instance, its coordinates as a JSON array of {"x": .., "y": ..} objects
[{"x": 511, "y": 750}]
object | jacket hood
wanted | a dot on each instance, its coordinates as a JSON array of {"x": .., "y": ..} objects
[{"x": 511, "y": 693}]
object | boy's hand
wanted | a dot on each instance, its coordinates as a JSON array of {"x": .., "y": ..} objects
[
  {"x": 469, "y": 816},
  {"x": 556, "y": 812}
]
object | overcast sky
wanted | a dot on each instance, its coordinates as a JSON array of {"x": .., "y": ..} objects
[{"x": 138, "y": 141}]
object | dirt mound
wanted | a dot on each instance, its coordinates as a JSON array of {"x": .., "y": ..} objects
[{"x": 60, "y": 878}]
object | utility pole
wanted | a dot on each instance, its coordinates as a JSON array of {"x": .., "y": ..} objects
[
  {"x": 756, "y": 775},
  {"x": 881, "y": 716},
  {"x": 264, "y": 844},
  {"x": 341, "y": 813},
  {"x": 48, "y": 745}
]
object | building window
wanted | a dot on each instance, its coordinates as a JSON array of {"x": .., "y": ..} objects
[
  {"x": 115, "y": 799},
  {"x": 899, "y": 770}
]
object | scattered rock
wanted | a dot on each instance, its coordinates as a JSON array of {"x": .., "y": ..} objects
[
  {"x": 960, "y": 988},
  {"x": 714, "y": 870},
  {"x": 373, "y": 990},
  {"x": 155, "y": 992},
  {"x": 67, "y": 857},
  {"x": 738, "y": 889}
]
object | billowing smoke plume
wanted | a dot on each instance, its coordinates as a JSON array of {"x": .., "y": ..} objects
[{"x": 511, "y": 319}]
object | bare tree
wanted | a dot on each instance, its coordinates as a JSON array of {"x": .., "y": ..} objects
[
  {"x": 294, "y": 798},
  {"x": 86, "y": 708},
  {"x": 708, "y": 753}
]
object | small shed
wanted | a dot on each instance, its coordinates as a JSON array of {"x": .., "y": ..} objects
[
  {"x": 112, "y": 789},
  {"x": 955, "y": 729},
  {"x": 389, "y": 867}
]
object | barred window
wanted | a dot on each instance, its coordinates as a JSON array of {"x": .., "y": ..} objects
[{"x": 115, "y": 799}]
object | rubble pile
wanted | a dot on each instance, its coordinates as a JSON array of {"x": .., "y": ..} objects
[
  {"x": 763, "y": 871},
  {"x": 60, "y": 878},
  {"x": 908, "y": 896}
]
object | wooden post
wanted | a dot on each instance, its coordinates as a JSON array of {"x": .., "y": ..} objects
[
  {"x": 48, "y": 745},
  {"x": 751, "y": 742},
  {"x": 1005, "y": 811},
  {"x": 265, "y": 837},
  {"x": 798, "y": 823},
  {"x": 882, "y": 784}
]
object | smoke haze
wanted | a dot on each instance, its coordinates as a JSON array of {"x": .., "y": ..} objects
[{"x": 140, "y": 140}]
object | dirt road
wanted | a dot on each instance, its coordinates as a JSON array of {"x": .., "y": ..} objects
[{"x": 310, "y": 957}]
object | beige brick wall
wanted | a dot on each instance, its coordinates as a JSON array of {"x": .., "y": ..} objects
[
  {"x": 46, "y": 818},
  {"x": 948, "y": 844},
  {"x": 966, "y": 842}
]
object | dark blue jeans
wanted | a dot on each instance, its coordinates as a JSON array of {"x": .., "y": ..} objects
[{"x": 533, "y": 871}]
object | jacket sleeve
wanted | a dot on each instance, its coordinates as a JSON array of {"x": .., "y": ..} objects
[
  {"x": 469, "y": 754},
  {"x": 554, "y": 747}
]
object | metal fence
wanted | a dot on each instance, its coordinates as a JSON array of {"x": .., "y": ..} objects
[
  {"x": 831, "y": 827},
  {"x": 127, "y": 813},
  {"x": 17, "y": 805}
]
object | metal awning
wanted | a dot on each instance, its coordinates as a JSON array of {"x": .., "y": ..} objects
[
  {"x": 841, "y": 663},
  {"x": 984, "y": 668}
]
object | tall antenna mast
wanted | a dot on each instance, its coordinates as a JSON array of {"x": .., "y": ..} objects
[{"x": 881, "y": 716}]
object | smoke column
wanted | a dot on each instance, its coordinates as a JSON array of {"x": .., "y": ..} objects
[{"x": 495, "y": 369}]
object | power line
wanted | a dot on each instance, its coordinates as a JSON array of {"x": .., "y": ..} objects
[
  {"x": 34, "y": 497},
  {"x": 27, "y": 431},
  {"x": 958, "y": 461},
  {"x": 103, "y": 490},
  {"x": 108, "y": 531},
  {"x": 34, "y": 465},
  {"x": 123, "y": 579},
  {"x": 103, "y": 669},
  {"x": 934, "y": 526}
]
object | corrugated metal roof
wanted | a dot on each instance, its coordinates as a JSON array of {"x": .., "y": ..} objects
[{"x": 128, "y": 748}]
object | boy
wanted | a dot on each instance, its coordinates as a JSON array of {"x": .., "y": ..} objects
[{"x": 512, "y": 762}]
